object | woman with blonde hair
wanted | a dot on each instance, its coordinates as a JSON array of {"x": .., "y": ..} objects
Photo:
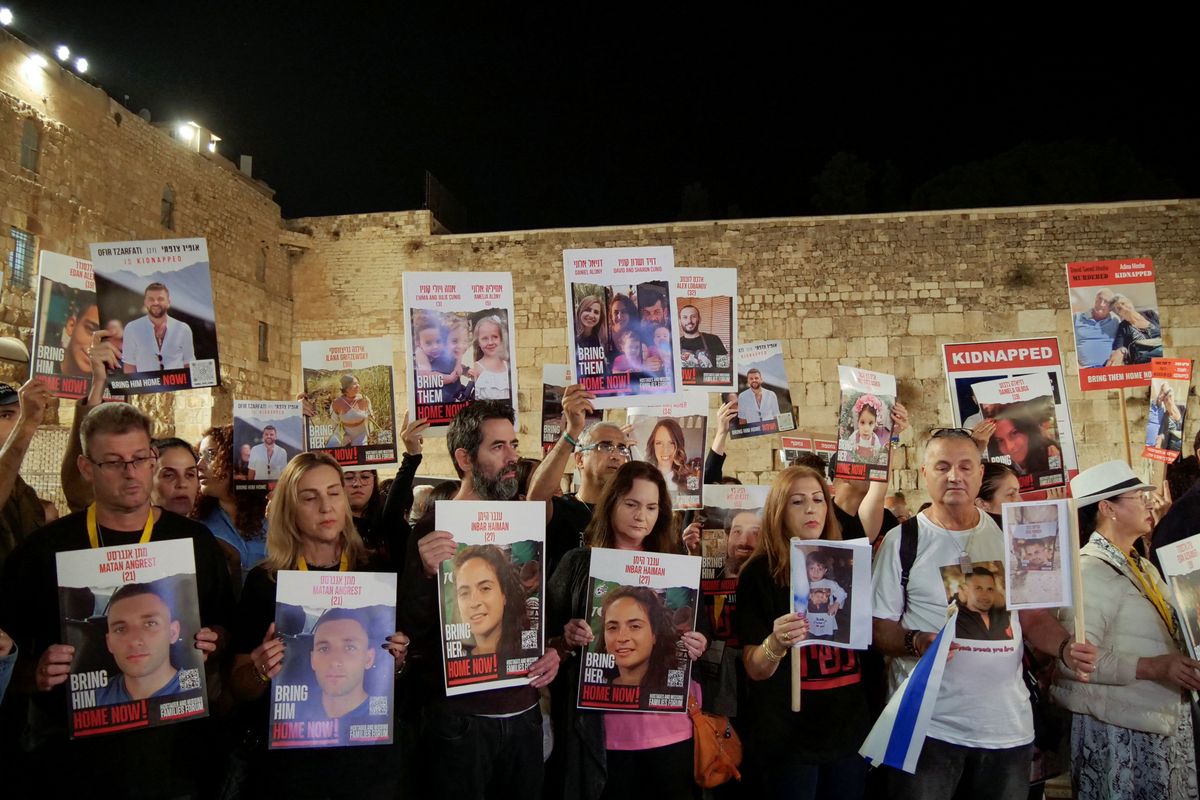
[
  {"x": 1170, "y": 431},
  {"x": 589, "y": 322},
  {"x": 796, "y": 754}
]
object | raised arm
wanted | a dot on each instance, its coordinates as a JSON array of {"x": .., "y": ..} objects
[{"x": 577, "y": 402}]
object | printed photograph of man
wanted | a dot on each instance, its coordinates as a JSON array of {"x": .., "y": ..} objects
[
  {"x": 141, "y": 630},
  {"x": 756, "y": 403},
  {"x": 157, "y": 342},
  {"x": 1095, "y": 330},
  {"x": 697, "y": 348},
  {"x": 267, "y": 459},
  {"x": 341, "y": 655},
  {"x": 1036, "y": 554},
  {"x": 981, "y": 611},
  {"x": 77, "y": 335},
  {"x": 741, "y": 537}
]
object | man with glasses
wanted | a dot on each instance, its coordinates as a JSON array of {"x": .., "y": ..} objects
[
  {"x": 118, "y": 462},
  {"x": 157, "y": 342}
]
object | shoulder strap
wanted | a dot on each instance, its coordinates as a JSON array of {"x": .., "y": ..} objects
[{"x": 908, "y": 554}]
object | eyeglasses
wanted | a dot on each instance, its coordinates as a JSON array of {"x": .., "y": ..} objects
[
  {"x": 1145, "y": 498},
  {"x": 355, "y": 478},
  {"x": 117, "y": 466},
  {"x": 607, "y": 448},
  {"x": 946, "y": 433}
]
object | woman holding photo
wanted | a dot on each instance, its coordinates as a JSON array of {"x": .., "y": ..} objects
[
  {"x": 668, "y": 451},
  {"x": 352, "y": 414},
  {"x": 812, "y": 753},
  {"x": 1139, "y": 336},
  {"x": 610, "y": 754},
  {"x": 490, "y": 371}
]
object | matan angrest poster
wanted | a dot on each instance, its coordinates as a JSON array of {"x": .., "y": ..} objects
[
  {"x": 350, "y": 385},
  {"x": 132, "y": 613}
]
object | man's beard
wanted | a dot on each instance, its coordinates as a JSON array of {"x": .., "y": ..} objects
[
  {"x": 157, "y": 313},
  {"x": 492, "y": 488}
]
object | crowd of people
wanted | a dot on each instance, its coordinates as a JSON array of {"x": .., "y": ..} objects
[{"x": 1125, "y": 689}]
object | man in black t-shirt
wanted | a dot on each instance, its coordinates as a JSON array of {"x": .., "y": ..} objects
[
  {"x": 118, "y": 462},
  {"x": 698, "y": 349}
]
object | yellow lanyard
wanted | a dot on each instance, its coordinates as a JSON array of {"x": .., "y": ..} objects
[
  {"x": 94, "y": 529},
  {"x": 1150, "y": 589},
  {"x": 343, "y": 565}
]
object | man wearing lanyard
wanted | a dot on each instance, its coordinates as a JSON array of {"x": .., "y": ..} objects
[{"x": 118, "y": 462}]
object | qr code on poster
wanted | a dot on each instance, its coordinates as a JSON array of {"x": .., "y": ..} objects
[
  {"x": 529, "y": 640},
  {"x": 189, "y": 679},
  {"x": 204, "y": 373},
  {"x": 377, "y": 705},
  {"x": 674, "y": 679}
]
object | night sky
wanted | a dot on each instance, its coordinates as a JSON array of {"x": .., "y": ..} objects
[{"x": 542, "y": 121}]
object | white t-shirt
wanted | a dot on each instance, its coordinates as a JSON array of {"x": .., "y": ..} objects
[
  {"x": 751, "y": 411},
  {"x": 983, "y": 701}
]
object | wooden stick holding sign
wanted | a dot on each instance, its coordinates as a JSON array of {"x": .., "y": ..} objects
[
  {"x": 794, "y": 657},
  {"x": 1125, "y": 428},
  {"x": 1076, "y": 573}
]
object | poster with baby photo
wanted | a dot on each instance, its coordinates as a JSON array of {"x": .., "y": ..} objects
[
  {"x": 461, "y": 343},
  {"x": 64, "y": 319},
  {"x": 491, "y": 594},
  {"x": 642, "y": 606},
  {"x": 1037, "y": 554},
  {"x": 865, "y": 424},
  {"x": 1169, "y": 382},
  {"x": 731, "y": 524},
  {"x": 132, "y": 612},
  {"x": 1181, "y": 567},
  {"x": 621, "y": 328},
  {"x": 1114, "y": 314},
  {"x": 831, "y": 586},
  {"x": 267, "y": 434},
  {"x": 672, "y": 438},
  {"x": 1024, "y": 435},
  {"x": 555, "y": 380},
  {"x": 706, "y": 300},
  {"x": 349, "y": 383},
  {"x": 764, "y": 398},
  {"x": 336, "y": 685},
  {"x": 979, "y": 591}
]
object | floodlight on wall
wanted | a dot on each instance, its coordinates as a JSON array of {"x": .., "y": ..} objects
[
  {"x": 186, "y": 131},
  {"x": 6, "y": 16},
  {"x": 81, "y": 65},
  {"x": 38, "y": 60},
  {"x": 63, "y": 52}
]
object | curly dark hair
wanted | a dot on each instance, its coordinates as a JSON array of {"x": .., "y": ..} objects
[
  {"x": 516, "y": 617},
  {"x": 662, "y": 626},
  {"x": 251, "y": 506}
]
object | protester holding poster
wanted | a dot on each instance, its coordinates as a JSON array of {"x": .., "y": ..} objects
[
  {"x": 671, "y": 437},
  {"x": 765, "y": 401},
  {"x": 310, "y": 530},
  {"x": 349, "y": 383},
  {"x": 707, "y": 309},
  {"x": 118, "y": 465},
  {"x": 1132, "y": 717},
  {"x": 1116, "y": 299},
  {"x": 555, "y": 380},
  {"x": 160, "y": 293},
  {"x": 1170, "y": 379},
  {"x": 829, "y": 583},
  {"x": 865, "y": 424},
  {"x": 65, "y": 318},
  {"x": 271, "y": 432},
  {"x": 1024, "y": 432},
  {"x": 1037, "y": 554}
]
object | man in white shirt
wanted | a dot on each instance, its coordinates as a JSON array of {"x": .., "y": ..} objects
[
  {"x": 156, "y": 342},
  {"x": 981, "y": 732},
  {"x": 756, "y": 404},
  {"x": 268, "y": 459}
]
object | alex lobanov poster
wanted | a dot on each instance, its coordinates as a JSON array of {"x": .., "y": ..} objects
[
  {"x": 1169, "y": 385},
  {"x": 831, "y": 586},
  {"x": 461, "y": 343},
  {"x": 555, "y": 380},
  {"x": 641, "y": 605},
  {"x": 64, "y": 320},
  {"x": 706, "y": 300},
  {"x": 865, "y": 424},
  {"x": 156, "y": 299},
  {"x": 1026, "y": 430},
  {"x": 672, "y": 437},
  {"x": 1115, "y": 319},
  {"x": 765, "y": 399},
  {"x": 350, "y": 384},
  {"x": 969, "y": 363},
  {"x": 132, "y": 613},
  {"x": 731, "y": 524},
  {"x": 336, "y": 687},
  {"x": 491, "y": 594},
  {"x": 621, "y": 325},
  {"x": 267, "y": 434}
]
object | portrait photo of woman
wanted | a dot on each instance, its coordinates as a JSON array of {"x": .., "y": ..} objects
[
  {"x": 667, "y": 450},
  {"x": 590, "y": 328},
  {"x": 490, "y": 598},
  {"x": 640, "y": 635},
  {"x": 352, "y": 411},
  {"x": 1139, "y": 336}
]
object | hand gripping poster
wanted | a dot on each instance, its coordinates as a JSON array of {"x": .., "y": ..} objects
[
  {"x": 865, "y": 424},
  {"x": 555, "y": 380},
  {"x": 490, "y": 595},
  {"x": 461, "y": 343},
  {"x": 731, "y": 524},
  {"x": 764, "y": 398},
  {"x": 1181, "y": 567},
  {"x": 64, "y": 320},
  {"x": 156, "y": 299},
  {"x": 1169, "y": 383},
  {"x": 831, "y": 586},
  {"x": 1037, "y": 554},
  {"x": 349, "y": 383},
  {"x": 971, "y": 363},
  {"x": 267, "y": 434},
  {"x": 1024, "y": 429},
  {"x": 132, "y": 614},
  {"x": 641, "y": 605},
  {"x": 672, "y": 438},
  {"x": 620, "y": 325},
  {"x": 706, "y": 303},
  {"x": 335, "y": 687},
  {"x": 1114, "y": 314}
]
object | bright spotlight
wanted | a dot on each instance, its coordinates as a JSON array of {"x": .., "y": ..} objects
[
  {"x": 184, "y": 132},
  {"x": 39, "y": 60},
  {"x": 6, "y": 16},
  {"x": 63, "y": 52},
  {"x": 81, "y": 65}
]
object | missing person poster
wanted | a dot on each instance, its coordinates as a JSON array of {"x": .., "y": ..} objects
[
  {"x": 764, "y": 398},
  {"x": 1170, "y": 379},
  {"x": 491, "y": 594},
  {"x": 1037, "y": 554},
  {"x": 156, "y": 299},
  {"x": 672, "y": 438},
  {"x": 132, "y": 613},
  {"x": 336, "y": 684},
  {"x": 1114, "y": 314},
  {"x": 461, "y": 343},
  {"x": 971, "y": 363},
  {"x": 64, "y": 319},
  {"x": 865, "y": 424},
  {"x": 642, "y": 604},
  {"x": 831, "y": 586},
  {"x": 706, "y": 303},
  {"x": 731, "y": 524},
  {"x": 1024, "y": 433},
  {"x": 267, "y": 434},
  {"x": 1181, "y": 567},
  {"x": 555, "y": 380},
  {"x": 349, "y": 383},
  {"x": 620, "y": 327}
]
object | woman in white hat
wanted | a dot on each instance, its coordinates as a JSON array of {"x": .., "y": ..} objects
[{"x": 1131, "y": 735}]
